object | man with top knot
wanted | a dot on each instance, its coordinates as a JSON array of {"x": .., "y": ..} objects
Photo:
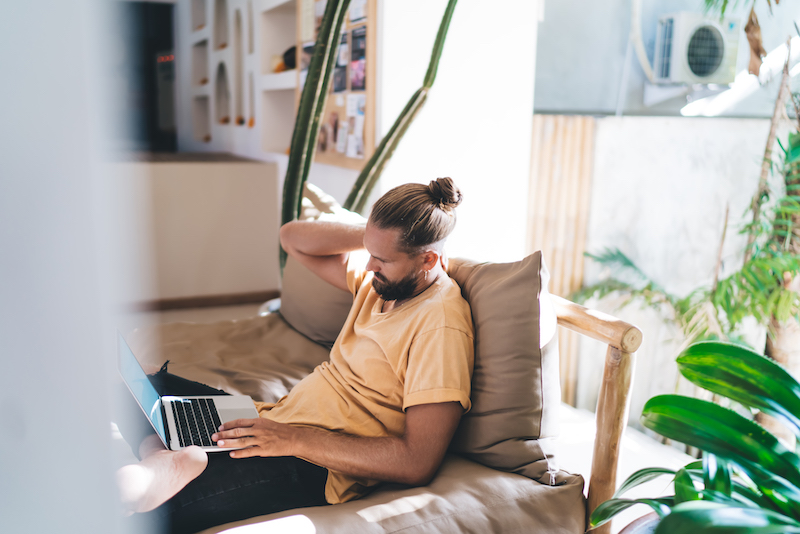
[{"x": 382, "y": 409}]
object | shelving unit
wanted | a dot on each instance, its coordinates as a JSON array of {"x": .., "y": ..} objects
[
  {"x": 198, "y": 14},
  {"x": 220, "y": 24},
  {"x": 232, "y": 46},
  {"x": 201, "y": 118},
  {"x": 280, "y": 81},
  {"x": 278, "y": 23},
  {"x": 200, "y": 63},
  {"x": 222, "y": 94}
]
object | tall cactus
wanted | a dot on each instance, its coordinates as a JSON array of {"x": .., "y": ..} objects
[
  {"x": 312, "y": 105},
  {"x": 372, "y": 171}
]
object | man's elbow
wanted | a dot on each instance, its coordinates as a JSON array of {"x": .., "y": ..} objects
[{"x": 421, "y": 475}]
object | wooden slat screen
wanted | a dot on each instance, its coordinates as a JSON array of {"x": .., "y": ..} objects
[{"x": 558, "y": 210}]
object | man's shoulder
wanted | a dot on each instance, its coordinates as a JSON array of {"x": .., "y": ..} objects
[{"x": 453, "y": 311}]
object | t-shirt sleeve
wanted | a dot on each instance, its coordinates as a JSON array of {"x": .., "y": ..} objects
[
  {"x": 439, "y": 368},
  {"x": 356, "y": 270}
]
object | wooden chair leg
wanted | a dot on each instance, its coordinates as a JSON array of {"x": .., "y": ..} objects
[{"x": 612, "y": 417}]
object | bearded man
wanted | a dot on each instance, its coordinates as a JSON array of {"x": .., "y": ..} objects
[{"x": 382, "y": 409}]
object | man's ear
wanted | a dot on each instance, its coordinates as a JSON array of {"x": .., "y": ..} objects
[{"x": 429, "y": 259}]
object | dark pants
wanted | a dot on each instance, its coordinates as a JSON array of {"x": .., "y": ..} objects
[{"x": 229, "y": 489}]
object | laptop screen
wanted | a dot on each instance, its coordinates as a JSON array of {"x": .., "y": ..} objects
[{"x": 137, "y": 381}]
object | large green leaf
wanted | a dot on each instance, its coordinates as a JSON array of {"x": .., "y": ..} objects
[
  {"x": 684, "y": 487},
  {"x": 716, "y": 474},
  {"x": 607, "y": 510},
  {"x": 641, "y": 476},
  {"x": 718, "y": 430},
  {"x": 743, "y": 375},
  {"x": 743, "y": 492},
  {"x": 700, "y": 517}
]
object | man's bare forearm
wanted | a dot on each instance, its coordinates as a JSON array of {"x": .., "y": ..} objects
[
  {"x": 412, "y": 458},
  {"x": 390, "y": 459},
  {"x": 321, "y": 238}
]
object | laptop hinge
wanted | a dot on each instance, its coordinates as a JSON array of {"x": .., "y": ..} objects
[{"x": 166, "y": 425}]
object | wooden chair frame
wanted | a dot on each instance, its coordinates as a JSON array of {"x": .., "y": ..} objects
[{"x": 623, "y": 340}]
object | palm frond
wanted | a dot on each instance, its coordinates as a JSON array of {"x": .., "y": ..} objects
[{"x": 615, "y": 259}]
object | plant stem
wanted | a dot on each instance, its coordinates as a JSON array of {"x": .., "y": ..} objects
[
  {"x": 766, "y": 163},
  {"x": 312, "y": 105},
  {"x": 719, "y": 252}
]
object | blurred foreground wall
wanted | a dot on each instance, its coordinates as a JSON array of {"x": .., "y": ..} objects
[{"x": 54, "y": 454}]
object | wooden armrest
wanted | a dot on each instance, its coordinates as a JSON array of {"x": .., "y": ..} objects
[
  {"x": 597, "y": 325},
  {"x": 623, "y": 339}
]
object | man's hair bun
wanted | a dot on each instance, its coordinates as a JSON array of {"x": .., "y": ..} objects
[{"x": 445, "y": 192}]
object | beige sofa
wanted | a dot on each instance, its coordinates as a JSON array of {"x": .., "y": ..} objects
[{"x": 502, "y": 473}]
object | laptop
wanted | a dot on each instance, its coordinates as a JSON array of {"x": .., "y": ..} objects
[{"x": 181, "y": 421}]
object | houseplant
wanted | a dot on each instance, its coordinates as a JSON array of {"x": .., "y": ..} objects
[
  {"x": 311, "y": 109},
  {"x": 765, "y": 287},
  {"x": 747, "y": 481}
]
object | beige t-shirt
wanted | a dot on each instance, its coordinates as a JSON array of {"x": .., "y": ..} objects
[{"x": 382, "y": 363}]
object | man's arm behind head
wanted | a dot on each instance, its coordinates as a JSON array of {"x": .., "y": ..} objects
[{"x": 323, "y": 247}]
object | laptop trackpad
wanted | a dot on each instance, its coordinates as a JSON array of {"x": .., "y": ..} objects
[{"x": 235, "y": 407}]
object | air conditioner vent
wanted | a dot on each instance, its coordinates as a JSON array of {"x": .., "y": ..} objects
[
  {"x": 706, "y": 49},
  {"x": 665, "y": 50},
  {"x": 691, "y": 48}
]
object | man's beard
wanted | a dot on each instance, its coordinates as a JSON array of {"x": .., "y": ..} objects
[{"x": 400, "y": 290}]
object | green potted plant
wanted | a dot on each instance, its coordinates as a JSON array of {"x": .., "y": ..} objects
[{"x": 747, "y": 481}]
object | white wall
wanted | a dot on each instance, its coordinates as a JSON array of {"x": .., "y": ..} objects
[
  {"x": 660, "y": 188},
  {"x": 582, "y": 47},
  {"x": 55, "y": 451},
  {"x": 203, "y": 228},
  {"x": 476, "y": 124}
]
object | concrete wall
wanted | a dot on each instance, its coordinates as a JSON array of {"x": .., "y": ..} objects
[
  {"x": 582, "y": 48},
  {"x": 659, "y": 193}
]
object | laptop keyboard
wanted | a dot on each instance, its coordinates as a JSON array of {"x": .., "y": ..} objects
[{"x": 196, "y": 419}]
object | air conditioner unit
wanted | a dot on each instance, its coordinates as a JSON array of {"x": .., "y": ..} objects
[{"x": 691, "y": 48}]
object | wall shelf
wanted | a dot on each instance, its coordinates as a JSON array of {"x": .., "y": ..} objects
[
  {"x": 269, "y": 5},
  {"x": 198, "y": 15},
  {"x": 200, "y": 63},
  {"x": 278, "y": 26},
  {"x": 279, "y": 81}
]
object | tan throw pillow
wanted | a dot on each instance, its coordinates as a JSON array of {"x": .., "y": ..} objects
[
  {"x": 311, "y": 305},
  {"x": 515, "y": 385}
]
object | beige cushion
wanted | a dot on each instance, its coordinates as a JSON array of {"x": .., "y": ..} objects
[
  {"x": 515, "y": 385},
  {"x": 465, "y": 497},
  {"x": 310, "y": 305},
  {"x": 261, "y": 356}
]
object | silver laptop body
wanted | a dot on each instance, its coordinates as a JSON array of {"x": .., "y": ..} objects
[{"x": 180, "y": 421}]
